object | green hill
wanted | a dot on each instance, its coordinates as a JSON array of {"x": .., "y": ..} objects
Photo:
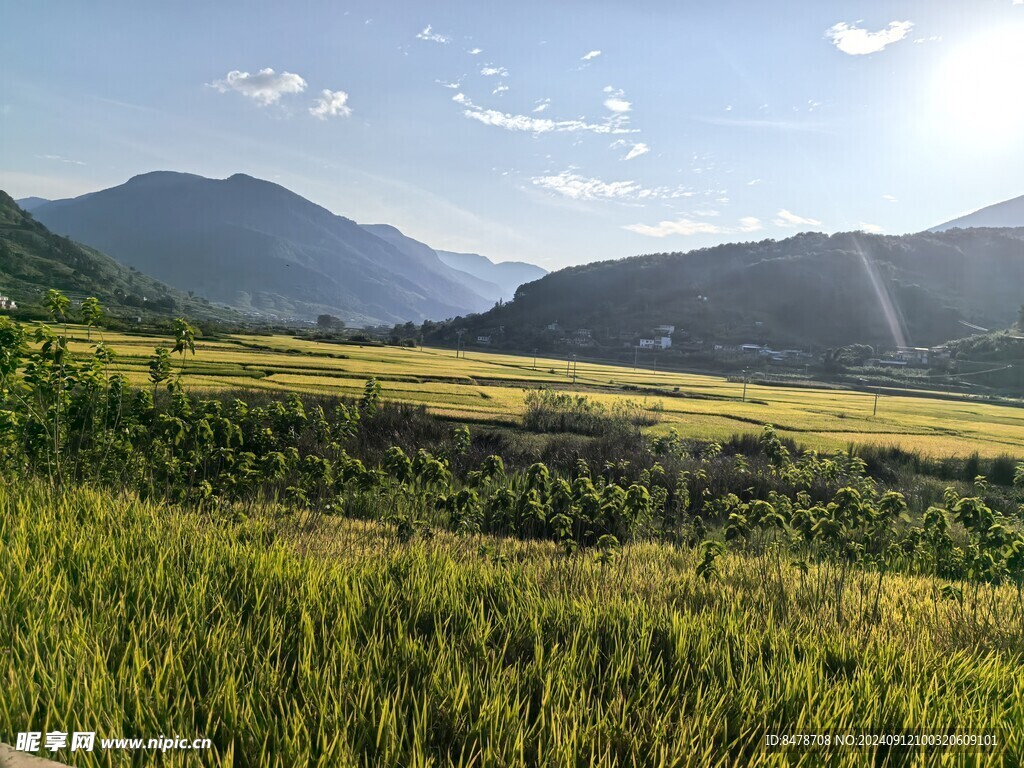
[
  {"x": 808, "y": 291},
  {"x": 33, "y": 260}
]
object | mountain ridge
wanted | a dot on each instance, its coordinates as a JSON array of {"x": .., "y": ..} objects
[
  {"x": 260, "y": 247},
  {"x": 807, "y": 291},
  {"x": 1006, "y": 214}
]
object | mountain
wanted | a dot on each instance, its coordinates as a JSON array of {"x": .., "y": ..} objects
[
  {"x": 811, "y": 290},
  {"x": 430, "y": 259},
  {"x": 259, "y": 247},
  {"x": 1009, "y": 213},
  {"x": 31, "y": 203},
  {"x": 507, "y": 275},
  {"x": 33, "y": 260}
]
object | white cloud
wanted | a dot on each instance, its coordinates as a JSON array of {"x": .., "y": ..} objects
[
  {"x": 453, "y": 85},
  {"x": 752, "y": 182},
  {"x": 687, "y": 226},
  {"x": 892, "y": 198},
  {"x": 855, "y": 41},
  {"x": 510, "y": 122},
  {"x": 590, "y": 56},
  {"x": 873, "y": 229},
  {"x": 542, "y": 104},
  {"x": 499, "y": 90},
  {"x": 475, "y": 51},
  {"x": 331, "y": 104},
  {"x": 429, "y": 34},
  {"x": 788, "y": 219},
  {"x": 615, "y": 101},
  {"x": 491, "y": 71},
  {"x": 680, "y": 227},
  {"x": 266, "y": 87},
  {"x": 637, "y": 149},
  {"x": 577, "y": 187}
]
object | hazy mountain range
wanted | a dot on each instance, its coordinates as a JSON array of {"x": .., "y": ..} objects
[{"x": 261, "y": 248}]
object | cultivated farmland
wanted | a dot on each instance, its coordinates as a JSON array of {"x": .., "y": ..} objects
[{"x": 486, "y": 388}]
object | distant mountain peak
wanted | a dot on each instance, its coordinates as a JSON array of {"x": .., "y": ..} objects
[{"x": 1009, "y": 213}]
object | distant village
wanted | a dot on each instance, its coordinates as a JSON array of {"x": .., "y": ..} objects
[{"x": 666, "y": 337}]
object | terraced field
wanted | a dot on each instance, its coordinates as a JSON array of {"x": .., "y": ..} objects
[{"x": 489, "y": 388}]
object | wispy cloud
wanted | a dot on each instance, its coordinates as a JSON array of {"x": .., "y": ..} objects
[
  {"x": 590, "y": 56},
  {"x": 635, "y": 149},
  {"x": 786, "y": 218},
  {"x": 430, "y": 35},
  {"x": 873, "y": 229},
  {"x": 499, "y": 90},
  {"x": 266, "y": 87},
  {"x": 538, "y": 125},
  {"x": 892, "y": 198},
  {"x": 60, "y": 159},
  {"x": 542, "y": 105},
  {"x": 577, "y": 187},
  {"x": 615, "y": 101},
  {"x": 475, "y": 51},
  {"x": 753, "y": 182},
  {"x": 491, "y": 71},
  {"x": 679, "y": 227},
  {"x": 766, "y": 123},
  {"x": 687, "y": 226},
  {"x": 856, "y": 41},
  {"x": 331, "y": 104},
  {"x": 454, "y": 85}
]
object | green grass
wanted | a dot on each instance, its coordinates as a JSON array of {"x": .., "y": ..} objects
[{"x": 341, "y": 645}]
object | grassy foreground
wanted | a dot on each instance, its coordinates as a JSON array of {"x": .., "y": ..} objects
[{"x": 344, "y": 646}]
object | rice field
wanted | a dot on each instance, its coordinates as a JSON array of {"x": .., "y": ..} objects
[
  {"x": 343, "y": 645},
  {"x": 489, "y": 388}
]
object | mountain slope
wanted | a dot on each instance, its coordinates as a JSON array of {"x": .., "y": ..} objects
[
  {"x": 33, "y": 260},
  {"x": 430, "y": 259},
  {"x": 811, "y": 290},
  {"x": 508, "y": 275},
  {"x": 259, "y": 247},
  {"x": 1009, "y": 213},
  {"x": 31, "y": 203}
]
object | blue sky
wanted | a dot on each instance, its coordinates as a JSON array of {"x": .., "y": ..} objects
[{"x": 552, "y": 132}]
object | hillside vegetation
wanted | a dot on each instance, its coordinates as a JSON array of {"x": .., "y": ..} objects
[
  {"x": 811, "y": 290},
  {"x": 33, "y": 259}
]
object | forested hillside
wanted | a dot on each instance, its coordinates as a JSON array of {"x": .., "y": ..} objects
[{"x": 811, "y": 290}]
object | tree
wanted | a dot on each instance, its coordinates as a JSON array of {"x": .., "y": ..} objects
[{"x": 329, "y": 322}]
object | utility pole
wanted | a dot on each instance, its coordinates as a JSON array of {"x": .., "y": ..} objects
[
  {"x": 745, "y": 380},
  {"x": 458, "y": 344},
  {"x": 875, "y": 411},
  {"x": 568, "y": 362},
  {"x": 574, "y": 369}
]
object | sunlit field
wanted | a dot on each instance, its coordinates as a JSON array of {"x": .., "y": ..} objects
[{"x": 489, "y": 388}]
